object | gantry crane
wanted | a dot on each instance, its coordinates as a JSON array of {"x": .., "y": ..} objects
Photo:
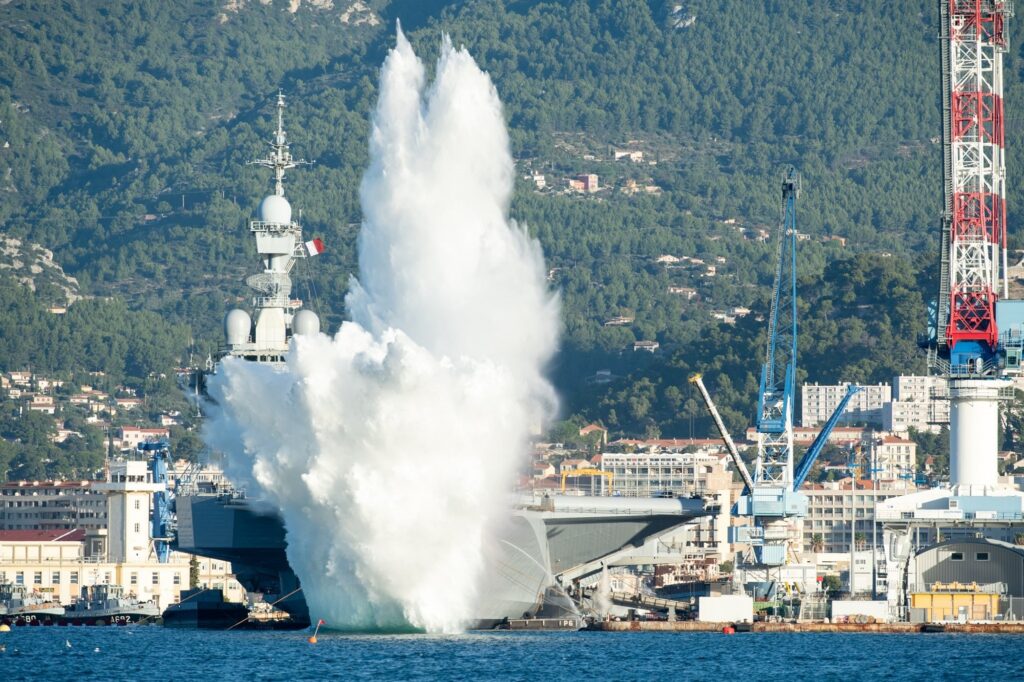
[{"x": 771, "y": 495}]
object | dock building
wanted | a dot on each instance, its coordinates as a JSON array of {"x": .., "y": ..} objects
[{"x": 43, "y": 545}]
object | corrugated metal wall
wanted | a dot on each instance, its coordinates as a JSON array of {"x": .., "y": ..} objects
[{"x": 1004, "y": 565}]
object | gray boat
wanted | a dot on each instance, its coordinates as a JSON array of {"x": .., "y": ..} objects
[
  {"x": 108, "y": 605},
  {"x": 21, "y": 606},
  {"x": 528, "y": 562}
]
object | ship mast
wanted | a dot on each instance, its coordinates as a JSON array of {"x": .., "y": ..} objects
[{"x": 280, "y": 159}]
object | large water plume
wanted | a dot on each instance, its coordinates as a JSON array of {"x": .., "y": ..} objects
[{"x": 388, "y": 449}]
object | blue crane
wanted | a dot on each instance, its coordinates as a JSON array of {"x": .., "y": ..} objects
[
  {"x": 161, "y": 518},
  {"x": 771, "y": 493}
]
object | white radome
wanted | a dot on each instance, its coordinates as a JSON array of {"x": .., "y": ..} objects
[
  {"x": 276, "y": 209},
  {"x": 306, "y": 323},
  {"x": 237, "y": 325}
]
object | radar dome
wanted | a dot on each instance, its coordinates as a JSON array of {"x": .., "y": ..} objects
[
  {"x": 237, "y": 325},
  {"x": 306, "y": 323},
  {"x": 275, "y": 209}
]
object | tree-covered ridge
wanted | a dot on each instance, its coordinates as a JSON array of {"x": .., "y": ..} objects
[
  {"x": 129, "y": 125},
  {"x": 94, "y": 335}
]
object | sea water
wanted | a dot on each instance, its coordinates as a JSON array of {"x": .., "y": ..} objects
[{"x": 158, "y": 654}]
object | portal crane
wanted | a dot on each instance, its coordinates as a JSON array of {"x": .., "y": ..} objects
[{"x": 771, "y": 495}]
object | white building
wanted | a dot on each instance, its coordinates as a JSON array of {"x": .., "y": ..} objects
[
  {"x": 837, "y": 512},
  {"x": 131, "y": 436},
  {"x": 61, "y": 562},
  {"x": 819, "y": 401},
  {"x": 129, "y": 491},
  {"x": 51, "y": 505},
  {"x": 892, "y": 457},
  {"x": 838, "y": 563},
  {"x": 648, "y": 474},
  {"x": 918, "y": 402},
  {"x": 57, "y": 564},
  {"x": 43, "y": 403}
]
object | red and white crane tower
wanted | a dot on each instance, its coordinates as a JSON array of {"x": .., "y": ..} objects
[
  {"x": 976, "y": 339},
  {"x": 976, "y": 178},
  {"x": 966, "y": 336}
]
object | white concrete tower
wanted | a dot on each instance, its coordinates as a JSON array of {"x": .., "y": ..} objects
[{"x": 129, "y": 489}]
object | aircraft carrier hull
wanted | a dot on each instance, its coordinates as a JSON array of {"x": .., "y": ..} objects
[{"x": 540, "y": 541}]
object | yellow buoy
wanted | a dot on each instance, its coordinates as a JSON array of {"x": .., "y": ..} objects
[{"x": 4, "y": 627}]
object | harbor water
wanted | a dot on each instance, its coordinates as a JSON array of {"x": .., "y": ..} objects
[{"x": 151, "y": 652}]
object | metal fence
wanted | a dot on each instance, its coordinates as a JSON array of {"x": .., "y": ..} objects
[{"x": 1011, "y": 608}]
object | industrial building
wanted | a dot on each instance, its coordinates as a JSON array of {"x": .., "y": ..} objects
[{"x": 979, "y": 579}]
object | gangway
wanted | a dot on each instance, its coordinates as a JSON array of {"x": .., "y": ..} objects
[{"x": 646, "y": 601}]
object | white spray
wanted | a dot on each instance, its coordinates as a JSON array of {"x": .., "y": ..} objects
[{"x": 388, "y": 449}]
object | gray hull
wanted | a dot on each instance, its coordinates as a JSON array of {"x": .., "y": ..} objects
[{"x": 541, "y": 543}]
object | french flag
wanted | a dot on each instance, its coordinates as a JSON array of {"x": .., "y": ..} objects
[{"x": 314, "y": 247}]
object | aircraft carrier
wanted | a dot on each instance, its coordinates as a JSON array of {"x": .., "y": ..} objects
[{"x": 542, "y": 538}]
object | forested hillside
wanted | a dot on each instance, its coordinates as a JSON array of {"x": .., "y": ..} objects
[{"x": 125, "y": 127}]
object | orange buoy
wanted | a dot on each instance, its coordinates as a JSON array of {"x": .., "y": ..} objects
[
  {"x": 312, "y": 640},
  {"x": 728, "y": 630}
]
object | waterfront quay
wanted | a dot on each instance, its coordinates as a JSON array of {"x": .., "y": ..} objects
[{"x": 1015, "y": 628}]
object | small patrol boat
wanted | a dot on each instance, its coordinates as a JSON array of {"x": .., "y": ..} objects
[
  {"x": 108, "y": 605},
  {"x": 19, "y": 606}
]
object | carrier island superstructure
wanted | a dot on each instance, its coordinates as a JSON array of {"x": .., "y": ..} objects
[
  {"x": 543, "y": 540},
  {"x": 975, "y": 329},
  {"x": 279, "y": 244}
]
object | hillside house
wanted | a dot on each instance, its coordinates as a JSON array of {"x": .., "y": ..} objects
[
  {"x": 634, "y": 155},
  {"x": 42, "y": 403},
  {"x": 686, "y": 292}
]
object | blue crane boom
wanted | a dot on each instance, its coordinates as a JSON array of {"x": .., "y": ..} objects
[
  {"x": 807, "y": 461},
  {"x": 774, "y": 464}
]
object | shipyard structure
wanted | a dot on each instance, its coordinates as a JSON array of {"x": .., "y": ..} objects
[{"x": 61, "y": 541}]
